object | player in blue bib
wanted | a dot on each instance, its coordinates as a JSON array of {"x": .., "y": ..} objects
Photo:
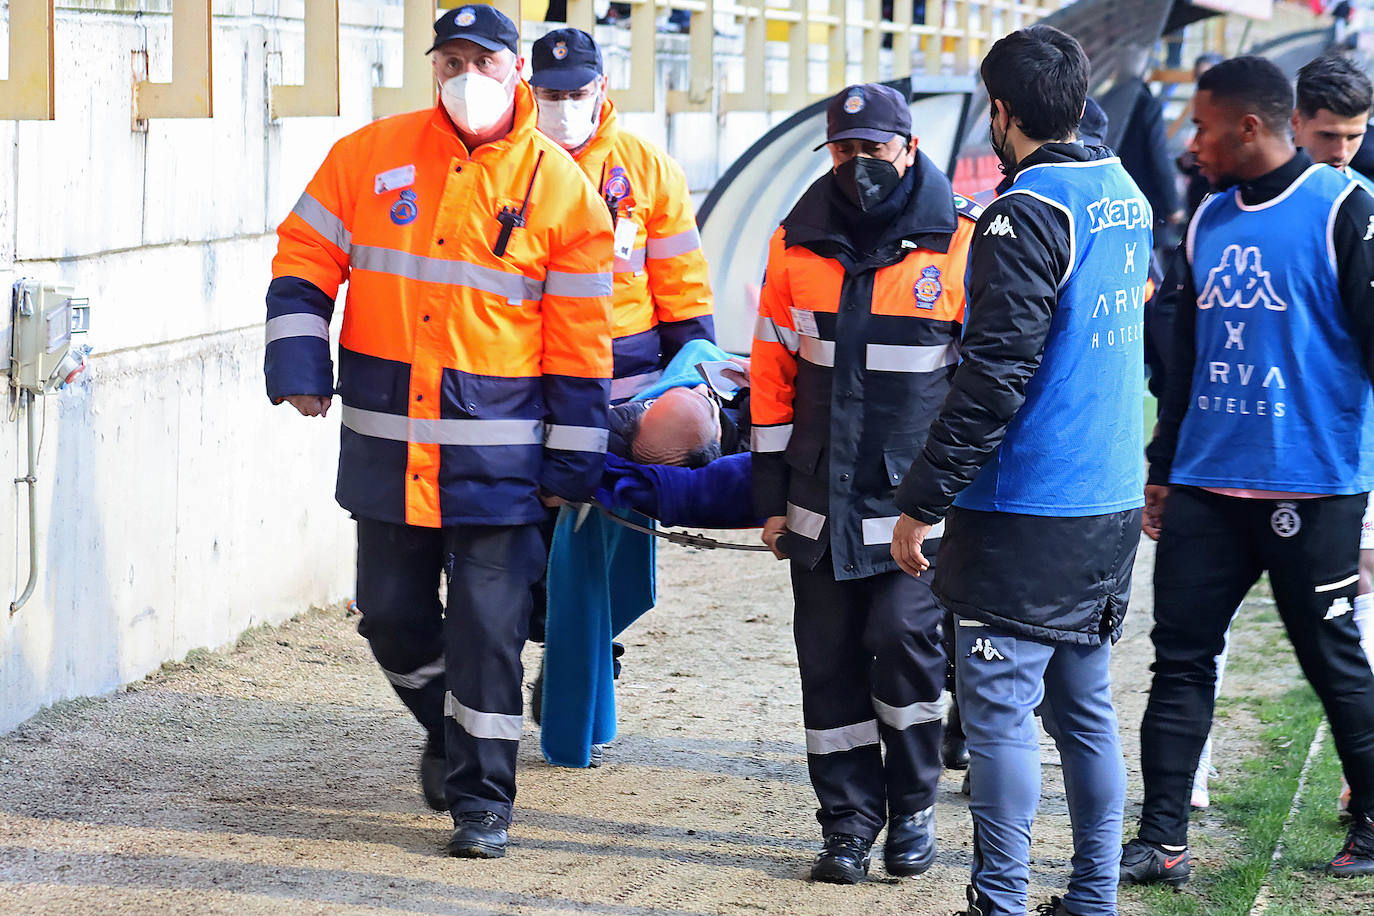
[
  {"x": 1037, "y": 447},
  {"x": 1264, "y": 454}
]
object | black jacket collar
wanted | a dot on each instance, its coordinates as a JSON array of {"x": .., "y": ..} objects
[
  {"x": 1272, "y": 184},
  {"x": 1052, "y": 153},
  {"x": 929, "y": 220}
]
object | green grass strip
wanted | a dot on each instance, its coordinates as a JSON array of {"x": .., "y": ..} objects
[{"x": 1229, "y": 874}]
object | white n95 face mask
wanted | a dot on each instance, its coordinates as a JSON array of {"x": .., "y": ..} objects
[
  {"x": 569, "y": 122},
  {"x": 477, "y": 103}
]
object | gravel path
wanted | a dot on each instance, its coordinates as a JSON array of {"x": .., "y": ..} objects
[{"x": 280, "y": 777}]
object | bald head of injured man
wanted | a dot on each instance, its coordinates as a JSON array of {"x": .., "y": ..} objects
[{"x": 681, "y": 427}]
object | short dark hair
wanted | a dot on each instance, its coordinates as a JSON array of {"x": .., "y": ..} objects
[
  {"x": 700, "y": 457},
  {"x": 1041, "y": 75},
  {"x": 1254, "y": 84},
  {"x": 1336, "y": 84}
]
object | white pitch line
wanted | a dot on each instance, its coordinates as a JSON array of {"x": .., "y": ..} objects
[{"x": 1262, "y": 897}]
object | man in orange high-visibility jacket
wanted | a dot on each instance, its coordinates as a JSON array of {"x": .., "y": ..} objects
[
  {"x": 474, "y": 370},
  {"x": 856, "y": 342},
  {"x": 662, "y": 287}
]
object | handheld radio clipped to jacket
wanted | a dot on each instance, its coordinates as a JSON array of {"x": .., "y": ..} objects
[{"x": 510, "y": 218}]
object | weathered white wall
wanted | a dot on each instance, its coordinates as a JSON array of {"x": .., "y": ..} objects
[{"x": 176, "y": 507}]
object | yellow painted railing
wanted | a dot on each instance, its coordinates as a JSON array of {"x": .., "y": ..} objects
[{"x": 822, "y": 44}]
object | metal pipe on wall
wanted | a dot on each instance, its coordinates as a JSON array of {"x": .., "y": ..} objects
[{"x": 32, "y": 480}]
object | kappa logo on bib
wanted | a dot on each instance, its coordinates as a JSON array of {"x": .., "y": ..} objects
[
  {"x": 1240, "y": 281},
  {"x": 1285, "y": 521}
]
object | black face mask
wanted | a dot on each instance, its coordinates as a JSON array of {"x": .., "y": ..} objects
[
  {"x": 1006, "y": 155},
  {"x": 867, "y": 182}
]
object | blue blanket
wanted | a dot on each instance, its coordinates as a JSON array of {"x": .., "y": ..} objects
[
  {"x": 719, "y": 495},
  {"x": 601, "y": 579}
]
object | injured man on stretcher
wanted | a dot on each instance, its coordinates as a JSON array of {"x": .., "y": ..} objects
[
  {"x": 678, "y": 455},
  {"x": 684, "y": 426}
]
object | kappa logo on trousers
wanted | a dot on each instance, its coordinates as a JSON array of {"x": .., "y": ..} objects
[{"x": 986, "y": 649}]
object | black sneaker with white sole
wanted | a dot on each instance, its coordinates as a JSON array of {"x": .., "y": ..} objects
[{"x": 1146, "y": 863}]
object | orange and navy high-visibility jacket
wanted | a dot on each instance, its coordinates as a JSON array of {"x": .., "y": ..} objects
[
  {"x": 662, "y": 290},
  {"x": 468, "y": 378},
  {"x": 853, "y": 353}
]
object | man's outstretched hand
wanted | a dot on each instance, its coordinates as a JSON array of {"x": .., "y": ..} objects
[{"x": 907, "y": 538}]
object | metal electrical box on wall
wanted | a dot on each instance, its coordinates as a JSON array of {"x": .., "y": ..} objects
[{"x": 44, "y": 316}]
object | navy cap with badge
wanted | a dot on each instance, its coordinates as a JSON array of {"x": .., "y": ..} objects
[
  {"x": 565, "y": 59},
  {"x": 480, "y": 24},
  {"x": 868, "y": 111}
]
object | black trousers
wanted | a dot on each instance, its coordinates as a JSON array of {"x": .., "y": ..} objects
[
  {"x": 457, "y": 670},
  {"x": 1212, "y": 549},
  {"x": 872, "y": 667}
]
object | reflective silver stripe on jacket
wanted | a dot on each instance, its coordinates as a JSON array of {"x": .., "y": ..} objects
[
  {"x": 844, "y": 738},
  {"x": 576, "y": 438},
  {"x": 892, "y": 358},
  {"x": 631, "y": 385},
  {"x": 879, "y": 530},
  {"x": 298, "y": 324},
  {"x": 634, "y": 264},
  {"x": 442, "y": 432},
  {"x": 513, "y": 287},
  {"x": 804, "y": 522},
  {"x": 770, "y": 438},
  {"x": 903, "y": 717},
  {"x": 769, "y": 331},
  {"x": 577, "y": 286},
  {"x": 818, "y": 352},
  {"x": 671, "y": 246},
  {"x": 418, "y": 678},
  {"x": 483, "y": 724},
  {"x": 318, "y": 217}
]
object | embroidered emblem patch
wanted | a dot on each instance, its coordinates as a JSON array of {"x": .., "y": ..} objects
[
  {"x": 560, "y": 50},
  {"x": 617, "y": 185},
  {"x": 465, "y": 17},
  {"x": 929, "y": 287},
  {"x": 1285, "y": 521},
  {"x": 855, "y": 102},
  {"x": 404, "y": 210}
]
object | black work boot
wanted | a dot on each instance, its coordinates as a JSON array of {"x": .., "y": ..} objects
[
  {"x": 1055, "y": 907},
  {"x": 1356, "y": 857},
  {"x": 478, "y": 835},
  {"x": 910, "y": 845},
  {"x": 843, "y": 860},
  {"x": 1146, "y": 863},
  {"x": 953, "y": 749},
  {"x": 433, "y": 772}
]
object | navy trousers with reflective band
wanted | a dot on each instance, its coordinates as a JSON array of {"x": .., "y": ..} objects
[
  {"x": 398, "y": 572},
  {"x": 872, "y": 669},
  {"x": 1003, "y": 680},
  {"x": 476, "y": 703},
  {"x": 1212, "y": 550}
]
